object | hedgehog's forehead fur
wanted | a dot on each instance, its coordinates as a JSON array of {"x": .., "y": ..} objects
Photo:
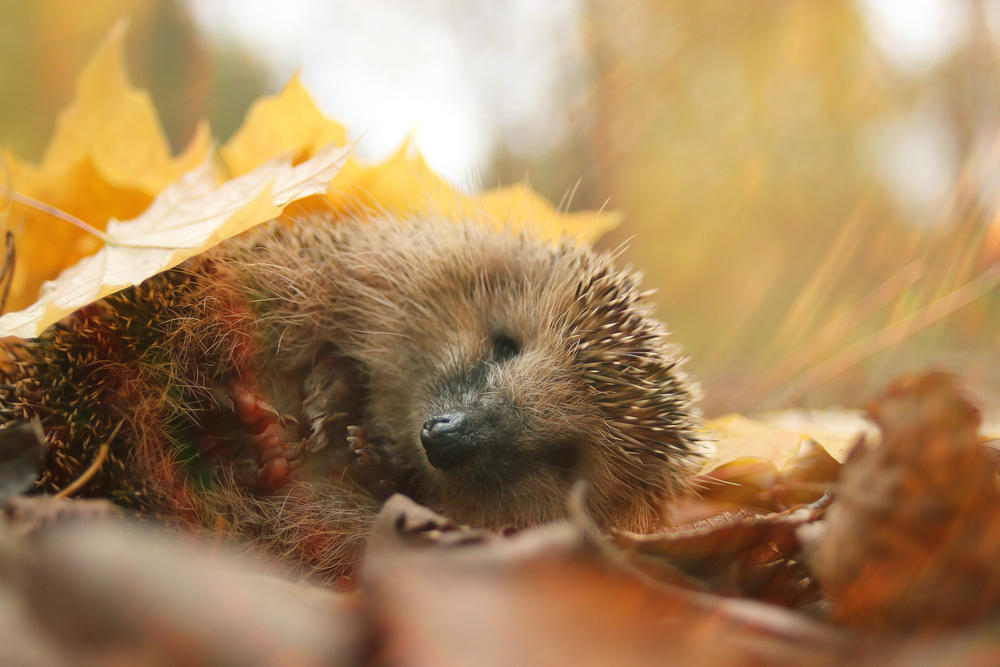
[{"x": 428, "y": 300}]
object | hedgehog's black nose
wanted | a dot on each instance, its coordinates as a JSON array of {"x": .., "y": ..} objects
[{"x": 446, "y": 440}]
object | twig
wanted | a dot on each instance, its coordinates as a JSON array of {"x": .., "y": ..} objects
[
  {"x": 31, "y": 202},
  {"x": 88, "y": 474}
]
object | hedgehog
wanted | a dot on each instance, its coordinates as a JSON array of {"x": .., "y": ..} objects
[{"x": 280, "y": 386}]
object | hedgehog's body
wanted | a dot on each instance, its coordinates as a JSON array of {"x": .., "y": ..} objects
[{"x": 260, "y": 386}]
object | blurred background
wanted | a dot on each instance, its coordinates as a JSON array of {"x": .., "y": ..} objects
[{"x": 811, "y": 187}]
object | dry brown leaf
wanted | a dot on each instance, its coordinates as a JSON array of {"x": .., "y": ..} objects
[
  {"x": 913, "y": 537},
  {"x": 761, "y": 466},
  {"x": 741, "y": 483},
  {"x": 807, "y": 476},
  {"x": 546, "y": 597},
  {"x": 403, "y": 524},
  {"x": 734, "y": 554}
]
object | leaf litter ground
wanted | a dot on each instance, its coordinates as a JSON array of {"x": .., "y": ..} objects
[{"x": 822, "y": 548}]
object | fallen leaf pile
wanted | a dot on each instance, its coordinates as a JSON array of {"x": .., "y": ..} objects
[
  {"x": 815, "y": 548},
  {"x": 894, "y": 565}
]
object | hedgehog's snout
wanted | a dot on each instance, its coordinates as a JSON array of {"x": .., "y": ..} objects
[
  {"x": 447, "y": 439},
  {"x": 469, "y": 435}
]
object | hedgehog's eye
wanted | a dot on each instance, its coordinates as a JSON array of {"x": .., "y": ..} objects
[{"x": 505, "y": 347}]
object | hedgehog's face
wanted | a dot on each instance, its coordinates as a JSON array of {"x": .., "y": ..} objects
[
  {"x": 502, "y": 434},
  {"x": 500, "y": 406}
]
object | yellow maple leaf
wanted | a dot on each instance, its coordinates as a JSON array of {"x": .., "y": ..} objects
[
  {"x": 107, "y": 159},
  {"x": 187, "y": 218},
  {"x": 289, "y": 123},
  {"x": 116, "y": 125},
  {"x": 736, "y": 436},
  {"x": 402, "y": 184},
  {"x": 519, "y": 205}
]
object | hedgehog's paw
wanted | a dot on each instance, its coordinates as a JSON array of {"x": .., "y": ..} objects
[
  {"x": 370, "y": 466},
  {"x": 277, "y": 456}
]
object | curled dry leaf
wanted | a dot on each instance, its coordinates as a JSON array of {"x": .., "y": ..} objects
[
  {"x": 913, "y": 537},
  {"x": 187, "y": 218},
  {"x": 403, "y": 523},
  {"x": 733, "y": 554},
  {"x": 544, "y": 596},
  {"x": 761, "y": 466},
  {"x": 808, "y": 474},
  {"x": 740, "y": 483},
  {"x": 756, "y": 484}
]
